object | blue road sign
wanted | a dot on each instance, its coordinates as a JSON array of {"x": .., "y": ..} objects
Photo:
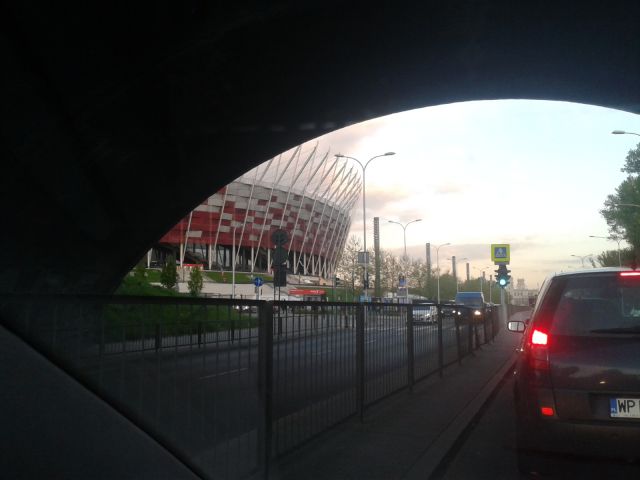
[
  {"x": 500, "y": 252},
  {"x": 258, "y": 282}
]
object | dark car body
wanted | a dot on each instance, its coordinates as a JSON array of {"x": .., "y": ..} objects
[
  {"x": 474, "y": 301},
  {"x": 577, "y": 380}
]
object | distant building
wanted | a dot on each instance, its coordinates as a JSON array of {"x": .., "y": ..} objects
[
  {"x": 521, "y": 295},
  {"x": 308, "y": 195}
]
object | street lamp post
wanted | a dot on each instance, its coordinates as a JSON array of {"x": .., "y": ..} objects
[
  {"x": 404, "y": 231},
  {"x": 438, "y": 265},
  {"x": 626, "y": 205},
  {"x": 364, "y": 212},
  {"x": 233, "y": 265},
  {"x": 582, "y": 257},
  {"x": 622, "y": 132},
  {"x": 482, "y": 278},
  {"x": 615, "y": 239}
]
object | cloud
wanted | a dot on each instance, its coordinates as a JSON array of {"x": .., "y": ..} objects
[
  {"x": 449, "y": 188},
  {"x": 379, "y": 200}
]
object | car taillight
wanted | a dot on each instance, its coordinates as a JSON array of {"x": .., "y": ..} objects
[
  {"x": 538, "y": 350},
  {"x": 631, "y": 274},
  {"x": 547, "y": 411},
  {"x": 538, "y": 337}
]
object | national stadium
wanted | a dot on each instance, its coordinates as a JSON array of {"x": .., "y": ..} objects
[{"x": 308, "y": 194}]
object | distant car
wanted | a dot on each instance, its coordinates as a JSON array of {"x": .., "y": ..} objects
[
  {"x": 425, "y": 315},
  {"x": 577, "y": 380},
  {"x": 242, "y": 308},
  {"x": 475, "y": 303}
]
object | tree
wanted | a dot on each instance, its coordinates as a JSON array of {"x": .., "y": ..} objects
[
  {"x": 169, "y": 274},
  {"x": 447, "y": 287},
  {"x": 347, "y": 267},
  {"x": 609, "y": 258},
  {"x": 624, "y": 220},
  {"x": 195, "y": 281},
  {"x": 140, "y": 274}
]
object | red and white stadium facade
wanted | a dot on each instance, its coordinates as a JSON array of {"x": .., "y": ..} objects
[{"x": 308, "y": 195}]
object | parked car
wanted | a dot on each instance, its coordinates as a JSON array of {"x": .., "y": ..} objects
[
  {"x": 425, "y": 314},
  {"x": 577, "y": 380}
]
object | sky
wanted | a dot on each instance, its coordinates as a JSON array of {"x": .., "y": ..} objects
[{"x": 533, "y": 174}]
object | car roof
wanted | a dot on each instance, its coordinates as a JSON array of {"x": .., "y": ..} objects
[{"x": 591, "y": 271}]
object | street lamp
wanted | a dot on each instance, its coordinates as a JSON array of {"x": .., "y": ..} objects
[
  {"x": 438, "y": 265},
  {"x": 233, "y": 265},
  {"x": 364, "y": 212},
  {"x": 582, "y": 257},
  {"x": 626, "y": 205},
  {"x": 622, "y": 132},
  {"x": 482, "y": 270},
  {"x": 616, "y": 239},
  {"x": 404, "y": 229}
]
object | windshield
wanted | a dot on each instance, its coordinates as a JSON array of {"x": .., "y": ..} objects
[
  {"x": 470, "y": 301},
  {"x": 587, "y": 305}
]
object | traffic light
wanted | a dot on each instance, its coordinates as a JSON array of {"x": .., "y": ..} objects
[{"x": 502, "y": 276}]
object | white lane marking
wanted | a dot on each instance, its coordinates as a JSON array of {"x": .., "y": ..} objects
[{"x": 223, "y": 373}]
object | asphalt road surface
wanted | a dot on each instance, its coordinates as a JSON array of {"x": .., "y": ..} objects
[
  {"x": 217, "y": 387},
  {"x": 488, "y": 451}
]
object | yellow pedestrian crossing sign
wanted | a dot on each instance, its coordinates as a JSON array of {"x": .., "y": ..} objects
[{"x": 500, "y": 253}]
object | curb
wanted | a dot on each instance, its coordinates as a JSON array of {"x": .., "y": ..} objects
[{"x": 431, "y": 460}]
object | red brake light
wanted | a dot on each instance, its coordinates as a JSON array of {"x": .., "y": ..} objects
[
  {"x": 539, "y": 338},
  {"x": 630, "y": 274},
  {"x": 539, "y": 351},
  {"x": 547, "y": 411}
]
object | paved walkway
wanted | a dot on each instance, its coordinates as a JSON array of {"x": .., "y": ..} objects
[{"x": 407, "y": 435}]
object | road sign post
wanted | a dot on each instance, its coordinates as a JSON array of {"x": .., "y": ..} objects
[
  {"x": 501, "y": 256},
  {"x": 258, "y": 282}
]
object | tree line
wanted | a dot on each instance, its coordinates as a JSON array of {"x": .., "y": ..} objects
[
  {"x": 419, "y": 279},
  {"x": 622, "y": 213}
]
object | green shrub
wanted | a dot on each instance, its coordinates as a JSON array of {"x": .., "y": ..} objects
[
  {"x": 195, "y": 282},
  {"x": 169, "y": 274}
]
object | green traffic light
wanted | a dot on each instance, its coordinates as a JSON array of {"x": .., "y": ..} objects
[{"x": 502, "y": 282}]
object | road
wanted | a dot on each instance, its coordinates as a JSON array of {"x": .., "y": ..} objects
[
  {"x": 489, "y": 452},
  {"x": 313, "y": 361},
  {"x": 206, "y": 398}
]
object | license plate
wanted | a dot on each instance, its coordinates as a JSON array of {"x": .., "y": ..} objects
[{"x": 624, "y": 407}]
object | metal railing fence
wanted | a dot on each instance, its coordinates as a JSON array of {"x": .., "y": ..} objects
[{"x": 229, "y": 385}]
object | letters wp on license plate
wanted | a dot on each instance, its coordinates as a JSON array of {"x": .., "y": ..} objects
[{"x": 625, "y": 407}]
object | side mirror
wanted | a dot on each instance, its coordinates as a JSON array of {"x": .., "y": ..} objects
[{"x": 516, "y": 326}]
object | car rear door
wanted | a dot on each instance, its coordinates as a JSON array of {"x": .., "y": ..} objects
[{"x": 594, "y": 349}]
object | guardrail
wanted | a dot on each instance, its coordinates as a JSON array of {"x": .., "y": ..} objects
[{"x": 229, "y": 385}]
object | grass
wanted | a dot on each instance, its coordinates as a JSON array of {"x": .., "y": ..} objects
[
  {"x": 134, "y": 322},
  {"x": 153, "y": 276},
  {"x": 132, "y": 286},
  {"x": 241, "y": 277}
]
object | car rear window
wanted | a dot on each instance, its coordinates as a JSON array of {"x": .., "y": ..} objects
[
  {"x": 470, "y": 301},
  {"x": 593, "y": 304}
]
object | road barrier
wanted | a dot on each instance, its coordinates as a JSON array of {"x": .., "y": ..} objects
[{"x": 229, "y": 385}]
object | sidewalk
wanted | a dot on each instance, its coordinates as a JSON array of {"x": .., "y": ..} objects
[{"x": 407, "y": 435}]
